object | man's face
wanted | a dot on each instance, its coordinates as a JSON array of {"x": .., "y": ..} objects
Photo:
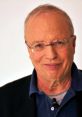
[{"x": 50, "y": 63}]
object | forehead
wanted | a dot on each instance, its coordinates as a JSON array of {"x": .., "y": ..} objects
[{"x": 47, "y": 24}]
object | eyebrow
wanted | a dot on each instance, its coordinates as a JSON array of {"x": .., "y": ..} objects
[
  {"x": 42, "y": 41},
  {"x": 35, "y": 42},
  {"x": 45, "y": 41}
]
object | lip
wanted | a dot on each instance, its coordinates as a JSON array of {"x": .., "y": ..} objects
[{"x": 53, "y": 66}]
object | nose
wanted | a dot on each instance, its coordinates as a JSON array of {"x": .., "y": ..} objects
[{"x": 50, "y": 53}]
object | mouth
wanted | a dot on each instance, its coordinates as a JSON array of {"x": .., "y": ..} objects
[{"x": 54, "y": 66}]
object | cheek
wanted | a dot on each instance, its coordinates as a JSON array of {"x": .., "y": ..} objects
[
  {"x": 35, "y": 58},
  {"x": 67, "y": 55},
  {"x": 70, "y": 53}
]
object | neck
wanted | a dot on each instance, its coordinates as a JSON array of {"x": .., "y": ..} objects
[{"x": 55, "y": 86}]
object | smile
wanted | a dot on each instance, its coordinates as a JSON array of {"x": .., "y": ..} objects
[{"x": 52, "y": 66}]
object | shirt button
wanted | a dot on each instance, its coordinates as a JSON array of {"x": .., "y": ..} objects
[{"x": 52, "y": 108}]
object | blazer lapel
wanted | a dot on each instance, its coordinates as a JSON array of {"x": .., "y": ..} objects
[{"x": 27, "y": 104}]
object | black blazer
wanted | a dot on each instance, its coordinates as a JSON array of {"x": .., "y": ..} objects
[{"x": 15, "y": 100}]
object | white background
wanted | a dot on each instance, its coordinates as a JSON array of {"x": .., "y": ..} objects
[{"x": 14, "y": 58}]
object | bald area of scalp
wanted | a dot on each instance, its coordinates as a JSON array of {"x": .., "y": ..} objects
[
  {"x": 48, "y": 11},
  {"x": 49, "y": 17}
]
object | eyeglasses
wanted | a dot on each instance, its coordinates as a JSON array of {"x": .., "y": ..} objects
[{"x": 40, "y": 46}]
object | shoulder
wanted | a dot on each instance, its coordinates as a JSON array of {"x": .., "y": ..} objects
[
  {"x": 17, "y": 83},
  {"x": 15, "y": 87}
]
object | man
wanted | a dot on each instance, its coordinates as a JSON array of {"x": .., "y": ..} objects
[{"x": 55, "y": 86}]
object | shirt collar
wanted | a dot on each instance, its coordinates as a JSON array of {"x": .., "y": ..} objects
[
  {"x": 33, "y": 83},
  {"x": 76, "y": 84}
]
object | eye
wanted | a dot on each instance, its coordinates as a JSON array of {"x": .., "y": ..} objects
[
  {"x": 38, "y": 46},
  {"x": 60, "y": 43}
]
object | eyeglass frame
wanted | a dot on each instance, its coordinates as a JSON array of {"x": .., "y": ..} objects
[{"x": 55, "y": 43}]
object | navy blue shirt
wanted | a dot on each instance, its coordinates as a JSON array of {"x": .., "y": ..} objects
[{"x": 67, "y": 107}]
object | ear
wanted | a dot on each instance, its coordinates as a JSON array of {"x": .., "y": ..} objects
[{"x": 74, "y": 41}]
